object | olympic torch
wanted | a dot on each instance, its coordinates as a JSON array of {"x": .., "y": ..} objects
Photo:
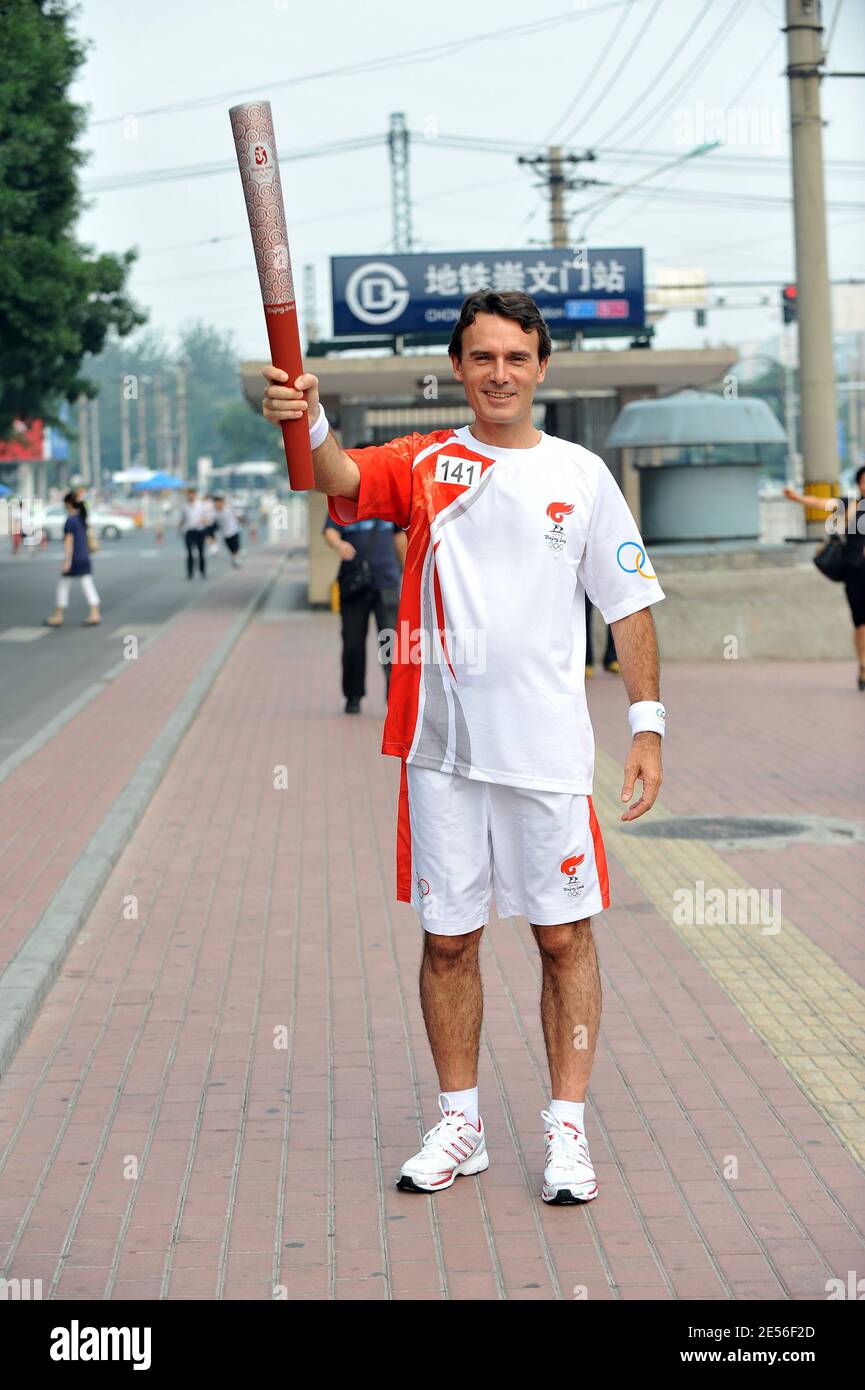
[{"x": 255, "y": 143}]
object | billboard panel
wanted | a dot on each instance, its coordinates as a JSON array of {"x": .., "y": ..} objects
[{"x": 582, "y": 287}]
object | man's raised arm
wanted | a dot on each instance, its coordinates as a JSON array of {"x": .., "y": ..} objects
[{"x": 335, "y": 473}]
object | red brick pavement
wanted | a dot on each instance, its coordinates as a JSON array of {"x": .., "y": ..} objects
[
  {"x": 768, "y": 738},
  {"x": 266, "y": 916},
  {"x": 51, "y": 804}
]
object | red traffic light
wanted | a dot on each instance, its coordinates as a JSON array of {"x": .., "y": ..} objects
[{"x": 790, "y": 292}]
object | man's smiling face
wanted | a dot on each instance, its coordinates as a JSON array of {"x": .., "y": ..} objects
[{"x": 499, "y": 369}]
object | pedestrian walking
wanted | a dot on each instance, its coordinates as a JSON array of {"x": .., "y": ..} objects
[
  {"x": 372, "y": 554},
  {"x": 507, "y": 527},
  {"x": 209, "y": 511},
  {"x": 192, "y": 527},
  {"x": 851, "y": 570},
  {"x": 225, "y": 521},
  {"x": 76, "y": 565}
]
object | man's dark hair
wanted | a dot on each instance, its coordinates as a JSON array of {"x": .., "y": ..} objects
[
  {"x": 510, "y": 304},
  {"x": 859, "y": 473}
]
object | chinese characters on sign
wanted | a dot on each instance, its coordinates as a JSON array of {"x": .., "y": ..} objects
[{"x": 422, "y": 293}]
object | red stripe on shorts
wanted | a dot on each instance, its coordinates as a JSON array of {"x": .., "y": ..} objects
[
  {"x": 600, "y": 855},
  {"x": 403, "y": 842}
]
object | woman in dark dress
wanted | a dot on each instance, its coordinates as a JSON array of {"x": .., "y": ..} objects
[
  {"x": 852, "y": 532},
  {"x": 76, "y": 565}
]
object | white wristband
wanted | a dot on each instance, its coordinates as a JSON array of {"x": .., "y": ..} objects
[
  {"x": 647, "y": 716},
  {"x": 319, "y": 431}
]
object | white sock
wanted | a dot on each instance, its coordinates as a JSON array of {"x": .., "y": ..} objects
[
  {"x": 467, "y": 1102},
  {"x": 570, "y": 1112}
]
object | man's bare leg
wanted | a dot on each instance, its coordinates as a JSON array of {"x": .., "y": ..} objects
[
  {"x": 570, "y": 1005},
  {"x": 452, "y": 1001}
]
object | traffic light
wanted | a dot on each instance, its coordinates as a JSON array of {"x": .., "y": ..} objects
[{"x": 790, "y": 303}]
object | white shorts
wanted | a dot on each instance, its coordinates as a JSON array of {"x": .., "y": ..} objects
[{"x": 460, "y": 839}]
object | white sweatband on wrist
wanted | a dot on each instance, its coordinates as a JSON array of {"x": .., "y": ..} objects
[
  {"x": 319, "y": 431},
  {"x": 647, "y": 716}
]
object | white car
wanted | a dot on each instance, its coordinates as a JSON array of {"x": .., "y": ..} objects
[{"x": 107, "y": 525}]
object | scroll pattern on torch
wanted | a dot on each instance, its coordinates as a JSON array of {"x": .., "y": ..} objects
[{"x": 255, "y": 143}]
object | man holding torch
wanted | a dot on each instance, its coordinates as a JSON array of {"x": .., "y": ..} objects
[{"x": 508, "y": 530}]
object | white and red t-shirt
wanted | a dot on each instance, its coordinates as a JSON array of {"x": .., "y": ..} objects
[{"x": 488, "y": 674}]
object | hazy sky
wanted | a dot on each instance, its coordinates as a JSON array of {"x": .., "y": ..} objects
[{"x": 589, "y": 77}]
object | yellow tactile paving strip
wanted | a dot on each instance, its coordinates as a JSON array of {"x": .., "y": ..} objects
[{"x": 807, "y": 1010}]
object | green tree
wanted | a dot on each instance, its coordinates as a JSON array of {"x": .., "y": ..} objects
[
  {"x": 213, "y": 382},
  {"x": 247, "y": 436},
  {"x": 58, "y": 298},
  {"x": 219, "y": 423}
]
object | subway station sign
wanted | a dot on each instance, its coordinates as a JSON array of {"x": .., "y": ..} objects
[{"x": 581, "y": 287}]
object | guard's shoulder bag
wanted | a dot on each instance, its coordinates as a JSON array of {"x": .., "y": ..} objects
[
  {"x": 356, "y": 578},
  {"x": 830, "y": 559}
]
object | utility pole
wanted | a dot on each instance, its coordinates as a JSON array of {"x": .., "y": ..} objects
[
  {"x": 788, "y": 358},
  {"x": 159, "y": 431},
  {"x": 400, "y": 193},
  {"x": 310, "y": 304},
  {"x": 95, "y": 446},
  {"x": 816, "y": 375},
  {"x": 125, "y": 439},
  {"x": 83, "y": 439},
  {"x": 557, "y": 181},
  {"x": 143, "y": 452},
  {"x": 181, "y": 378}
]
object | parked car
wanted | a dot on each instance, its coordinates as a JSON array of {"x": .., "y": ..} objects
[{"x": 107, "y": 524}]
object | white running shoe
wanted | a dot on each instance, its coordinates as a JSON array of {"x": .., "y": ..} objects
[
  {"x": 568, "y": 1176},
  {"x": 451, "y": 1148}
]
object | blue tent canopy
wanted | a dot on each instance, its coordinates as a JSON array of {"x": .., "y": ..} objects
[{"x": 160, "y": 482}]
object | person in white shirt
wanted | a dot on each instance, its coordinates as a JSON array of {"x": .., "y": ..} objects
[
  {"x": 508, "y": 530},
  {"x": 225, "y": 521},
  {"x": 191, "y": 526},
  {"x": 209, "y": 508}
]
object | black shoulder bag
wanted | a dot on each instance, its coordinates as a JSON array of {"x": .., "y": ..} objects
[
  {"x": 831, "y": 560},
  {"x": 357, "y": 578}
]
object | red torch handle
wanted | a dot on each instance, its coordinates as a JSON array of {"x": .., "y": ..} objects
[{"x": 285, "y": 353}]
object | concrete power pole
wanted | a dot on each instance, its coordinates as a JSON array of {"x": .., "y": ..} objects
[
  {"x": 182, "y": 423},
  {"x": 125, "y": 438},
  {"x": 310, "y": 304},
  {"x": 95, "y": 444},
  {"x": 84, "y": 439},
  {"x": 552, "y": 167},
  {"x": 816, "y": 375},
  {"x": 143, "y": 449}
]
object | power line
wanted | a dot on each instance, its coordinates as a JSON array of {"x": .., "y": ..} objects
[
  {"x": 598, "y": 66},
  {"x": 112, "y": 182},
  {"x": 652, "y": 193},
  {"x": 668, "y": 61},
  {"x": 425, "y": 54},
  {"x": 716, "y": 38}
]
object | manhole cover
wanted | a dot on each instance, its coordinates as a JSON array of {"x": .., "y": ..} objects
[{"x": 752, "y": 832}]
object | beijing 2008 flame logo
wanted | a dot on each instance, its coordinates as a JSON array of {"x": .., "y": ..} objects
[
  {"x": 571, "y": 864},
  {"x": 569, "y": 867},
  {"x": 260, "y": 154},
  {"x": 557, "y": 511}
]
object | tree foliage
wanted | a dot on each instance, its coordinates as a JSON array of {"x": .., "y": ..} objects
[{"x": 58, "y": 298}]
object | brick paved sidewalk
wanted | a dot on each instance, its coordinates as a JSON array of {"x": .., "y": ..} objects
[{"x": 217, "y": 1094}]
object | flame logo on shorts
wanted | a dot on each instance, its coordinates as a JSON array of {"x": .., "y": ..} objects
[
  {"x": 569, "y": 866},
  {"x": 557, "y": 511}
]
